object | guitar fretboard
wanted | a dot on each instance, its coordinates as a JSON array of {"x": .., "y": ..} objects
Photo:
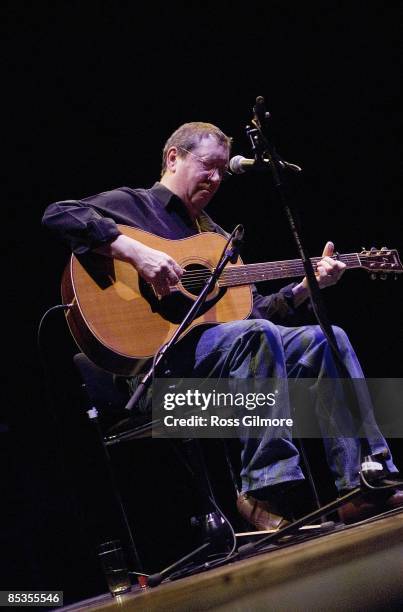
[{"x": 253, "y": 273}]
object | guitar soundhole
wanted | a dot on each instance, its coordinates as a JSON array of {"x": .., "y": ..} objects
[{"x": 195, "y": 277}]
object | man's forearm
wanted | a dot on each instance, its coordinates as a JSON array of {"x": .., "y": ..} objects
[{"x": 123, "y": 248}]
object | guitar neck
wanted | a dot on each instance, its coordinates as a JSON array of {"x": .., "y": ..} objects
[{"x": 254, "y": 273}]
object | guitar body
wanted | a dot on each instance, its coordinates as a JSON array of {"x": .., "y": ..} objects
[{"x": 117, "y": 320}]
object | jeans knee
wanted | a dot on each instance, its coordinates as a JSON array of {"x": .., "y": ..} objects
[
  {"x": 314, "y": 334},
  {"x": 342, "y": 339},
  {"x": 266, "y": 328}
]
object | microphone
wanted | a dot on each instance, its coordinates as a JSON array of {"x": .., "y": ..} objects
[
  {"x": 238, "y": 235},
  {"x": 236, "y": 242},
  {"x": 240, "y": 164}
]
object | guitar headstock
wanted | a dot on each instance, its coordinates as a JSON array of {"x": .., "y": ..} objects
[{"x": 383, "y": 261}]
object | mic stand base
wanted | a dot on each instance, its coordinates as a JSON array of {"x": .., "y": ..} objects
[{"x": 156, "y": 579}]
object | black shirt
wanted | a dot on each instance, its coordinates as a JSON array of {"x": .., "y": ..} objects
[{"x": 90, "y": 222}]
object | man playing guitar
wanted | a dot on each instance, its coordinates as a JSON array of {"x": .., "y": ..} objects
[{"x": 270, "y": 343}]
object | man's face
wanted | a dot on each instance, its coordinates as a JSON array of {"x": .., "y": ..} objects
[{"x": 198, "y": 174}]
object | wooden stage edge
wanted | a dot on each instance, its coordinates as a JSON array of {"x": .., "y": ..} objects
[{"x": 356, "y": 568}]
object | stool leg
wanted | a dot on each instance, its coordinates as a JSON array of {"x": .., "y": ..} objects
[{"x": 92, "y": 414}]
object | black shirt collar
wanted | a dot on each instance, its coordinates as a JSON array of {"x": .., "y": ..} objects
[
  {"x": 168, "y": 198},
  {"x": 163, "y": 194},
  {"x": 171, "y": 202}
]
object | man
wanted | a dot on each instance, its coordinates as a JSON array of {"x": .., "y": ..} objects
[{"x": 195, "y": 160}]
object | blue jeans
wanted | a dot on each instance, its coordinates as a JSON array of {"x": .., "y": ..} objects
[{"x": 258, "y": 348}]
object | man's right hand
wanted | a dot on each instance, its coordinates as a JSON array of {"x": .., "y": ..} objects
[
  {"x": 157, "y": 268},
  {"x": 154, "y": 266}
]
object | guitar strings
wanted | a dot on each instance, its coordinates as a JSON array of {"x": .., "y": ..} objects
[
  {"x": 291, "y": 267},
  {"x": 241, "y": 273},
  {"x": 280, "y": 265}
]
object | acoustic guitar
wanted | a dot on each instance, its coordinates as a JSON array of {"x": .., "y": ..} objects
[{"x": 118, "y": 321}]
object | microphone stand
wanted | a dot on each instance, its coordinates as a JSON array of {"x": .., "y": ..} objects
[
  {"x": 215, "y": 530},
  {"x": 266, "y": 157}
]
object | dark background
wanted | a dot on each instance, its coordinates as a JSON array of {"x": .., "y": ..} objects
[{"x": 92, "y": 91}]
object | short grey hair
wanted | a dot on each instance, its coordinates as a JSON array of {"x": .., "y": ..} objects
[{"x": 189, "y": 135}]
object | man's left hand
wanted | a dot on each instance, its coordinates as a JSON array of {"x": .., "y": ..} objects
[{"x": 328, "y": 272}]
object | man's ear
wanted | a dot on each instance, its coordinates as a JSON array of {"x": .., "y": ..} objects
[{"x": 172, "y": 157}]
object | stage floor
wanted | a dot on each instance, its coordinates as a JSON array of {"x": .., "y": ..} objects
[{"x": 359, "y": 567}]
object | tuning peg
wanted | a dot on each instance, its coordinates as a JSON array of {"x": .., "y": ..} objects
[
  {"x": 373, "y": 276},
  {"x": 384, "y": 249},
  {"x": 383, "y": 276},
  {"x": 373, "y": 249},
  {"x": 363, "y": 249}
]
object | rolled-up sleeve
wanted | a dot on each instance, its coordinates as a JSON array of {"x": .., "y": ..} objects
[{"x": 79, "y": 225}]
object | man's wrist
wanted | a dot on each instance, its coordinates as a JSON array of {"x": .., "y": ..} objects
[{"x": 300, "y": 293}]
